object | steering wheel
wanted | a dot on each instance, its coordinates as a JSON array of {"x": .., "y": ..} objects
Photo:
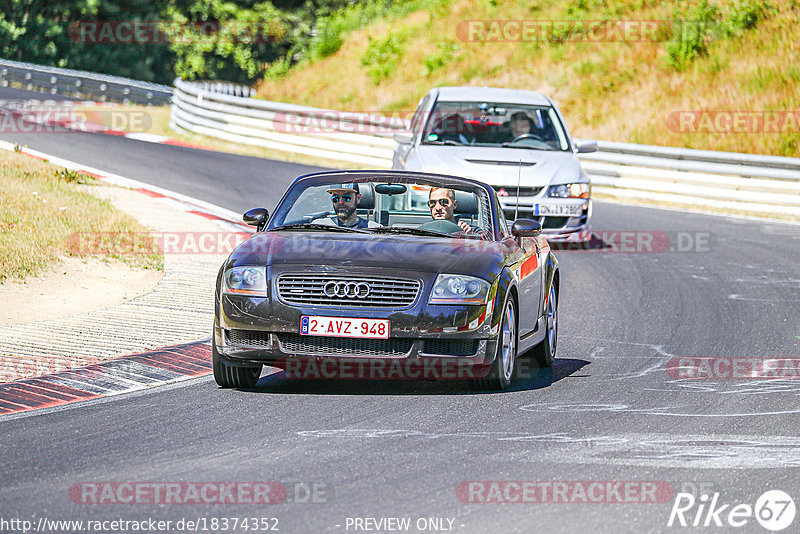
[
  {"x": 528, "y": 136},
  {"x": 442, "y": 226}
]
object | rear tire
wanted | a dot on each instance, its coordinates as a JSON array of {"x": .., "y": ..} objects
[
  {"x": 503, "y": 368},
  {"x": 545, "y": 351},
  {"x": 228, "y": 376}
]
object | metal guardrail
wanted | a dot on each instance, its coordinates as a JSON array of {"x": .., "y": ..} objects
[
  {"x": 728, "y": 180},
  {"x": 281, "y": 126},
  {"x": 86, "y": 85},
  {"x": 755, "y": 183}
]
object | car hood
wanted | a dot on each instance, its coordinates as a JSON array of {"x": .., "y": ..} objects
[
  {"x": 500, "y": 166},
  {"x": 351, "y": 251}
]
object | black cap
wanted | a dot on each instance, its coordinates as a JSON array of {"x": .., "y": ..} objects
[{"x": 344, "y": 187}]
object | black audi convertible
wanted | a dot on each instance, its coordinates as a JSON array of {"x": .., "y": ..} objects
[{"x": 386, "y": 274}]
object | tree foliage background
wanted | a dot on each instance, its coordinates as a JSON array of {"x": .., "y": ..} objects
[{"x": 239, "y": 40}]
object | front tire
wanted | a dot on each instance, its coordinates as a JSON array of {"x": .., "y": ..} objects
[
  {"x": 228, "y": 376},
  {"x": 503, "y": 368}
]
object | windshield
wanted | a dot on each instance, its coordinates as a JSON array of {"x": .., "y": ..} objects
[
  {"x": 383, "y": 206},
  {"x": 493, "y": 124}
]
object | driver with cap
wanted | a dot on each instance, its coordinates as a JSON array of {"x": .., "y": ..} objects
[{"x": 345, "y": 199}]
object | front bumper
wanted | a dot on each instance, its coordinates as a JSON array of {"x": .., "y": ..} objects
[
  {"x": 295, "y": 351},
  {"x": 252, "y": 330},
  {"x": 554, "y": 227}
]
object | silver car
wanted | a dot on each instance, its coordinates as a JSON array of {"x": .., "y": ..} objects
[{"x": 516, "y": 141}]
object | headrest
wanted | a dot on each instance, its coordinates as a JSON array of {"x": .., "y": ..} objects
[
  {"x": 467, "y": 203},
  {"x": 367, "y": 197}
]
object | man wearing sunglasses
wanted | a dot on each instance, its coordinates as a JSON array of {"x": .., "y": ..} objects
[
  {"x": 345, "y": 199},
  {"x": 442, "y": 202}
]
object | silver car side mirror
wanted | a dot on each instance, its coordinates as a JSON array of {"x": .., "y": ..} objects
[{"x": 403, "y": 138}]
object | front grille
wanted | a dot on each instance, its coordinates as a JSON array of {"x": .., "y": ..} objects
[
  {"x": 309, "y": 290},
  {"x": 551, "y": 222},
  {"x": 450, "y": 347},
  {"x": 342, "y": 346},
  {"x": 510, "y": 191},
  {"x": 248, "y": 338}
]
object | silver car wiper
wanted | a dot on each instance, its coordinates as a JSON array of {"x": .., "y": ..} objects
[
  {"x": 510, "y": 144},
  {"x": 314, "y": 226},
  {"x": 444, "y": 142}
]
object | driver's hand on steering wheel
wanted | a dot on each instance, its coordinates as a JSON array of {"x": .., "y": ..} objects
[{"x": 469, "y": 230}]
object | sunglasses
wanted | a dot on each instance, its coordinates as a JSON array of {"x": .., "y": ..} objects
[
  {"x": 345, "y": 198},
  {"x": 443, "y": 201}
]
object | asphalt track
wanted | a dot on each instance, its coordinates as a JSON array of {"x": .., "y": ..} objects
[{"x": 721, "y": 288}]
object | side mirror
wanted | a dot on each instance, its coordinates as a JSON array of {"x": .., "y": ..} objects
[
  {"x": 256, "y": 217},
  {"x": 403, "y": 138},
  {"x": 584, "y": 147},
  {"x": 526, "y": 228}
]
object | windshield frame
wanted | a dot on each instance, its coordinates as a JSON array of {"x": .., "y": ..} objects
[
  {"x": 562, "y": 134},
  {"x": 485, "y": 193}
]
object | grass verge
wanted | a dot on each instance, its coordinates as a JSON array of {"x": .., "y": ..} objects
[{"x": 43, "y": 208}]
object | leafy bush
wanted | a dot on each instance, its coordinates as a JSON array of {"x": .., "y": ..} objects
[
  {"x": 381, "y": 57},
  {"x": 693, "y": 36},
  {"x": 219, "y": 40},
  {"x": 744, "y": 16},
  {"x": 445, "y": 51}
]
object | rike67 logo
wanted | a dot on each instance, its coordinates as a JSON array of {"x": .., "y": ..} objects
[{"x": 774, "y": 510}]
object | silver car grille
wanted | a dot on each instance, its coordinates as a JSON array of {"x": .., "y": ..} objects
[
  {"x": 340, "y": 346},
  {"x": 347, "y": 291},
  {"x": 510, "y": 191}
]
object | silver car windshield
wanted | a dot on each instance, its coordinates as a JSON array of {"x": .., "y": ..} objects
[{"x": 493, "y": 124}]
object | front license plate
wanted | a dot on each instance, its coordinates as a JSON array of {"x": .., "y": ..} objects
[
  {"x": 318, "y": 325},
  {"x": 558, "y": 210}
]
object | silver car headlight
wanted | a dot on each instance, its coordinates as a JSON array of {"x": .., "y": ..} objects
[
  {"x": 576, "y": 190},
  {"x": 245, "y": 281},
  {"x": 458, "y": 289}
]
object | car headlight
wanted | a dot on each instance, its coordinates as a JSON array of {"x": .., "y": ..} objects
[
  {"x": 576, "y": 190},
  {"x": 458, "y": 289},
  {"x": 245, "y": 281}
]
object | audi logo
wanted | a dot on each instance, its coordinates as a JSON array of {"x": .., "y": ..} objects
[{"x": 347, "y": 289}]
